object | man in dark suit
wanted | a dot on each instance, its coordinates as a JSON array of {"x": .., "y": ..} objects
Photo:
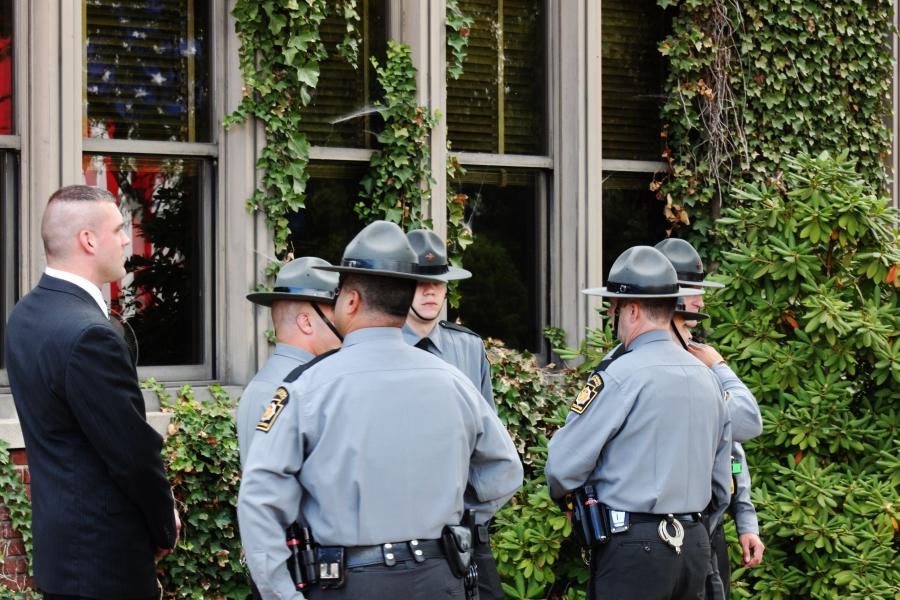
[{"x": 103, "y": 510}]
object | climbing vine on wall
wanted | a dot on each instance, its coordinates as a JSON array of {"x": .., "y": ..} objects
[
  {"x": 753, "y": 82},
  {"x": 399, "y": 176},
  {"x": 280, "y": 54},
  {"x": 458, "y": 27}
]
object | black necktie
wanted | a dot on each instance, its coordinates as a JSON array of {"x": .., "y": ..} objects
[{"x": 423, "y": 344}]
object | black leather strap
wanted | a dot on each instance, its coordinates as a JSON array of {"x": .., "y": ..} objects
[
  {"x": 293, "y": 375},
  {"x": 652, "y": 518},
  {"x": 389, "y": 554}
]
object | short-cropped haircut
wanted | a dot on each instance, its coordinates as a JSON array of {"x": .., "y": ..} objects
[{"x": 382, "y": 294}]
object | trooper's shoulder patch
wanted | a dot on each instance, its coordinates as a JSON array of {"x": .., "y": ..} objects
[
  {"x": 273, "y": 409},
  {"x": 588, "y": 393}
]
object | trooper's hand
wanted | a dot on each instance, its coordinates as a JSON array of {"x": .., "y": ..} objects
[
  {"x": 164, "y": 552},
  {"x": 708, "y": 355},
  {"x": 752, "y": 548}
]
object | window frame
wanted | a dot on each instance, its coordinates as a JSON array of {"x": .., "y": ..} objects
[
  {"x": 211, "y": 176},
  {"x": 11, "y": 193}
]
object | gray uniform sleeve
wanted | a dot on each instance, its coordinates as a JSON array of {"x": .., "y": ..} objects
[
  {"x": 742, "y": 508},
  {"x": 746, "y": 421},
  {"x": 721, "y": 477},
  {"x": 246, "y": 423},
  {"x": 269, "y": 501},
  {"x": 573, "y": 450},
  {"x": 495, "y": 470},
  {"x": 487, "y": 388}
]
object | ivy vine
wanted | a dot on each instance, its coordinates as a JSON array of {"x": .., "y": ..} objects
[
  {"x": 281, "y": 50},
  {"x": 14, "y": 497},
  {"x": 458, "y": 27},
  {"x": 751, "y": 83},
  {"x": 399, "y": 176}
]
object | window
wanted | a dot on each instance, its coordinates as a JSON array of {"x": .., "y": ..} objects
[
  {"x": 631, "y": 215},
  {"x": 506, "y": 214},
  {"x": 149, "y": 141},
  {"x": 341, "y": 112},
  {"x": 633, "y": 75},
  {"x": 9, "y": 146},
  {"x": 342, "y": 126},
  {"x": 497, "y": 127},
  {"x": 498, "y": 104}
]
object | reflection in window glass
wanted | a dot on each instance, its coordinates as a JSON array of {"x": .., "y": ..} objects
[
  {"x": 162, "y": 296},
  {"x": 6, "y": 68},
  {"x": 631, "y": 215},
  {"x": 328, "y": 223},
  {"x": 342, "y": 111},
  {"x": 633, "y": 77},
  {"x": 147, "y": 70},
  {"x": 501, "y": 300},
  {"x": 497, "y": 105}
]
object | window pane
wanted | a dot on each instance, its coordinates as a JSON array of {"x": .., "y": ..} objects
[
  {"x": 501, "y": 110},
  {"x": 342, "y": 110},
  {"x": 631, "y": 215},
  {"x": 162, "y": 297},
  {"x": 8, "y": 242},
  {"x": 6, "y": 68},
  {"x": 501, "y": 299},
  {"x": 147, "y": 70},
  {"x": 633, "y": 77},
  {"x": 328, "y": 222}
]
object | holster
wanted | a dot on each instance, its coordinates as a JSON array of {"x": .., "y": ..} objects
[
  {"x": 458, "y": 546},
  {"x": 589, "y": 518}
]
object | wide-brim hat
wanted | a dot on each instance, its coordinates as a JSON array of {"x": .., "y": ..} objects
[
  {"x": 300, "y": 279},
  {"x": 686, "y": 260},
  {"x": 688, "y": 315},
  {"x": 381, "y": 249},
  {"x": 432, "y": 255},
  {"x": 642, "y": 272}
]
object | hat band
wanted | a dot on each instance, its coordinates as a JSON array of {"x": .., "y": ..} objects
[
  {"x": 640, "y": 290},
  {"x": 300, "y": 291},
  {"x": 433, "y": 269},
  {"x": 691, "y": 276},
  {"x": 382, "y": 265}
]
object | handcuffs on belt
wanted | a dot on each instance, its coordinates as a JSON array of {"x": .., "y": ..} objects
[{"x": 676, "y": 540}]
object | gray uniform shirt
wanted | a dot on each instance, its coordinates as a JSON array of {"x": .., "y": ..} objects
[
  {"x": 373, "y": 444},
  {"x": 742, "y": 508},
  {"x": 746, "y": 421},
  {"x": 261, "y": 389},
  {"x": 655, "y": 438},
  {"x": 462, "y": 349}
]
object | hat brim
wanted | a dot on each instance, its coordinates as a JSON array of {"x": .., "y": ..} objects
[
  {"x": 382, "y": 273},
  {"x": 268, "y": 298},
  {"x": 691, "y": 316},
  {"x": 453, "y": 274},
  {"x": 602, "y": 291},
  {"x": 707, "y": 283}
]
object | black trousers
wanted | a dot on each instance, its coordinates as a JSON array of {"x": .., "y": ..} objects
[
  {"x": 720, "y": 547},
  {"x": 488, "y": 578},
  {"x": 407, "y": 580},
  {"x": 638, "y": 564}
]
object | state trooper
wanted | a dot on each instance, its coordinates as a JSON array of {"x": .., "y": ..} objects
[
  {"x": 372, "y": 448},
  {"x": 633, "y": 438},
  {"x": 746, "y": 420},
  {"x": 302, "y": 304},
  {"x": 462, "y": 348}
]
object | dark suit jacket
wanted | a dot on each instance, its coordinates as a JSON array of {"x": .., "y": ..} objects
[{"x": 101, "y": 501}]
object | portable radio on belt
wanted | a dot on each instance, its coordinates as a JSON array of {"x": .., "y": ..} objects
[{"x": 589, "y": 518}]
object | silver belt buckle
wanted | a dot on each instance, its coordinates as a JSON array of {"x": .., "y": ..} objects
[{"x": 675, "y": 540}]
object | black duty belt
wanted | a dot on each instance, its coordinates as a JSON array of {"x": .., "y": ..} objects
[
  {"x": 390, "y": 554},
  {"x": 482, "y": 534},
  {"x": 651, "y": 518}
]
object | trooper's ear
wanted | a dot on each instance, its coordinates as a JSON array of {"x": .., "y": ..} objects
[{"x": 303, "y": 322}]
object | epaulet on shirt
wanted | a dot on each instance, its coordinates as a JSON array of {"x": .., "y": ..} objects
[
  {"x": 293, "y": 375},
  {"x": 457, "y": 327}
]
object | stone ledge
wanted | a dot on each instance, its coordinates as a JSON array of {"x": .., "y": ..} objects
[{"x": 11, "y": 432}]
